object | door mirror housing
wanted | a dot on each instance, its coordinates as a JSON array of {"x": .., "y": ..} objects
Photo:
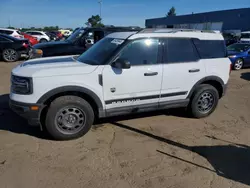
[{"x": 121, "y": 64}]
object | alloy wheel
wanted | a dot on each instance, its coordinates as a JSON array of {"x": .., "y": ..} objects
[{"x": 10, "y": 55}]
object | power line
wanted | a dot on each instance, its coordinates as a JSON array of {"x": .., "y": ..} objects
[{"x": 100, "y": 3}]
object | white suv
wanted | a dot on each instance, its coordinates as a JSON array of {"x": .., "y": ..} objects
[
  {"x": 11, "y": 32},
  {"x": 40, "y": 35},
  {"x": 124, "y": 73}
]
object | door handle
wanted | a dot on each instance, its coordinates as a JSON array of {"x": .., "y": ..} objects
[
  {"x": 194, "y": 70},
  {"x": 150, "y": 73}
]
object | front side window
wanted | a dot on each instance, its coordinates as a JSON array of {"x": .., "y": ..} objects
[
  {"x": 141, "y": 52},
  {"x": 37, "y": 33},
  {"x": 180, "y": 50}
]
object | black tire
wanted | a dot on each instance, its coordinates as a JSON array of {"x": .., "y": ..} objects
[
  {"x": 43, "y": 41},
  {"x": 238, "y": 64},
  {"x": 203, "y": 94},
  {"x": 10, "y": 55},
  {"x": 60, "y": 112}
]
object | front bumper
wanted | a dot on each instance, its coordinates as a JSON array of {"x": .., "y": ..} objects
[{"x": 31, "y": 112}]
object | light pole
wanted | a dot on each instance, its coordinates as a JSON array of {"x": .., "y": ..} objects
[{"x": 100, "y": 2}]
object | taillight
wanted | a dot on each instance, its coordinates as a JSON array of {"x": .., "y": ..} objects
[{"x": 25, "y": 45}]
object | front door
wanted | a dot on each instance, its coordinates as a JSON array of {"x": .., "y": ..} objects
[{"x": 138, "y": 87}]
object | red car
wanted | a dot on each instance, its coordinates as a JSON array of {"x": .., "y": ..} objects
[{"x": 33, "y": 40}]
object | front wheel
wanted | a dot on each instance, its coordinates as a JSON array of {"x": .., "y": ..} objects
[
  {"x": 10, "y": 55},
  {"x": 204, "y": 101},
  {"x": 69, "y": 117},
  {"x": 238, "y": 64}
]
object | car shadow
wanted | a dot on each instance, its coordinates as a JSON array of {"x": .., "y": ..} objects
[
  {"x": 10, "y": 121},
  {"x": 230, "y": 161},
  {"x": 245, "y": 76}
]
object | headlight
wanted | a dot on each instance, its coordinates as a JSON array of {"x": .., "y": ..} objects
[
  {"x": 232, "y": 56},
  {"x": 21, "y": 85}
]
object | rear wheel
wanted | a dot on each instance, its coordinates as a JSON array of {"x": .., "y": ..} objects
[
  {"x": 204, "y": 101},
  {"x": 10, "y": 55},
  {"x": 43, "y": 41},
  {"x": 69, "y": 117},
  {"x": 238, "y": 64}
]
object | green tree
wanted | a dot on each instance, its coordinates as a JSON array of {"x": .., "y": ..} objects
[
  {"x": 94, "y": 21},
  {"x": 171, "y": 12},
  {"x": 10, "y": 27}
]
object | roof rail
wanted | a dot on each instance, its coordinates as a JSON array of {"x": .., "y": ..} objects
[{"x": 166, "y": 30}]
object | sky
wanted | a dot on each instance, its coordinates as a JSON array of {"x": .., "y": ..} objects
[{"x": 74, "y": 13}]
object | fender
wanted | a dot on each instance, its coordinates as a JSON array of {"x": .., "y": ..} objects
[
  {"x": 208, "y": 78},
  {"x": 62, "y": 89}
]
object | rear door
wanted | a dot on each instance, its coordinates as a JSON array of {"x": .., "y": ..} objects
[{"x": 182, "y": 68}]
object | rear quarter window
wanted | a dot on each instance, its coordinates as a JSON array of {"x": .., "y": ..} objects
[{"x": 208, "y": 49}]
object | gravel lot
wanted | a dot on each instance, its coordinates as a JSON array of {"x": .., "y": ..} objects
[{"x": 163, "y": 149}]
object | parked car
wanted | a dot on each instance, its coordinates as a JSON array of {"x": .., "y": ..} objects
[
  {"x": 67, "y": 33},
  {"x": 11, "y": 32},
  {"x": 33, "y": 40},
  {"x": 40, "y": 35},
  {"x": 52, "y": 36},
  {"x": 184, "y": 69},
  {"x": 57, "y": 33},
  {"x": 245, "y": 37},
  {"x": 79, "y": 41},
  {"x": 230, "y": 38},
  {"x": 239, "y": 55},
  {"x": 11, "y": 48}
]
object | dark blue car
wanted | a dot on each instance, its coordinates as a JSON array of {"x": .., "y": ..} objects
[{"x": 239, "y": 54}]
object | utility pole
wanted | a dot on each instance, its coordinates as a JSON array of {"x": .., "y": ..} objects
[{"x": 100, "y": 3}]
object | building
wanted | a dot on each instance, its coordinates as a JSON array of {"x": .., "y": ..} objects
[{"x": 226, "y": 20}]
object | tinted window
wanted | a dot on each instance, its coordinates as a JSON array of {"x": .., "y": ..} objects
[
  {"x": 141, "y": 52},
  {"x": 6, "y": 32},
  {"x": 180, "y": 50},
  {"x": 245, "y": 35},
  {"x": 36, "y": 33},
  {"x": 210, "y": 48},
  {"x": 238, "y": 47}
]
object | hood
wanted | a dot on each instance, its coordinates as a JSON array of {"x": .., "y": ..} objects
[
  {"x": 229, "y": 52},
  {"x": 50, "y": 44},
  {"x": 52, "y": 66}
]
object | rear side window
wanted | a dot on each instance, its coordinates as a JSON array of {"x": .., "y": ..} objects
[
  {"x": 180, "y": 50},
  {"x": 208, "y": 49},
  {"x": 6, "y": 32}
]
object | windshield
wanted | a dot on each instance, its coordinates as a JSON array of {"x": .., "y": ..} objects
[
  {"x": 245, "y": 35},
  {"x": 76, "y": 35},
  {"x": 98, "y": 53},
  {"x": 238, "y": 47}
]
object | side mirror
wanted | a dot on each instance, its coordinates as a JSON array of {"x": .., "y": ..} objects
[{"x": 121, "y": 64}]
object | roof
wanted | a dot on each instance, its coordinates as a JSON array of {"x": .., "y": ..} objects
[
  {"x": 121, "y": 35},
  {"x": 202, "y": 35},
  {"x": 8, "y": 29}
]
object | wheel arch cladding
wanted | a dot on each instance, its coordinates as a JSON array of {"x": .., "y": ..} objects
[
  {"x": 85, "y": 93},
  {"x": 215, "y": 81}
]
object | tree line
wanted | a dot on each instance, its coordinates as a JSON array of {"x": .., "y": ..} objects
[{"x": 93, "y": 21}]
